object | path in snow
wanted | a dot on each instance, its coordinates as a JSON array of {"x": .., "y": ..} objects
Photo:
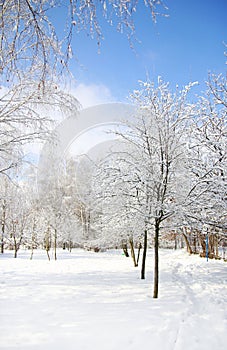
[
  {"x": 86, "y": 301},
  {"x": 202, "y": 288}
]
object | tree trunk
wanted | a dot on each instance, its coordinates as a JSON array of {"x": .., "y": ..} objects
[
  {"x": 189, "y": 249},
  {"x": 2, "y": 243},
  {"x": 138, "y": 254},
  {"x": 202, "y": 240},
  {"x": 125, "y": 249},
  {"x": 15, "y": 247},
  {"x": 55, "y": 244},
  {"x": 48, "y": 255},
  {"x": 133, "y": 252},
  {"x": 33, "y": 237},
  {"x": 88, "y": 223},
  {"x": 144, "y": 255},
  {"x": 175, "y": 241},
  {"x": 195, "y": 242},
  {"x": 70, "y": 246},
  {"x": 211, "y": 246},
  {"x": 32, "y": 251},
  {"x": 3, "y": 225},
  {"x": 47, "y": 243},
  {"x": 216, "y": 247},
  {"x": 156, "y": 258}
]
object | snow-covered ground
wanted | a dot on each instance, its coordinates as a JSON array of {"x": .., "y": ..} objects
[{"x": 89, "y": 301}]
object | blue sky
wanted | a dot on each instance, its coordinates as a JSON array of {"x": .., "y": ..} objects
[{"x": 181, "y": 48}]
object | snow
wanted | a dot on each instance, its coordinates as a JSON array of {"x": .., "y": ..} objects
[{"x": 88, "y": 300}]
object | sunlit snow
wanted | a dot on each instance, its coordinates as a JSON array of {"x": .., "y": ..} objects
[{"x": 87, "y": 300}]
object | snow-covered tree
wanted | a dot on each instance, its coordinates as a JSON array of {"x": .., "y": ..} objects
[
  {"x": 205, "y": 204},
  {"x": 4, "y": 200},
  {"x": 26, "y": 116},
  {"x": 17, "y": 218},
  {"x": 33, "y": 55},
  {"x": 30, "y": 43},
  {"x": 155, "y": 167},
  {"x": 118, "y": 222}
]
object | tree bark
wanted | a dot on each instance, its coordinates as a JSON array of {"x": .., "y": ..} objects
[
  {"x": 133, "y": 252},
  {"x": 138, "y": 254},
  {"x": 3, "y": 225},
  {"x": 144, "y": 255},
  {"x": 15, "y": 247},
  {"x": 211, "y": 246},
  {"x": 175, "y": 241},
  {"x": 216, "y": 246},
  {"x": 156, "y": 258},
  {"x": 125, "y": 249},
  {"x": 2, "y": 242},
  {"x": 48, "y": 255},
  {"x": 189, "y": 249},
  {"x": 33, "y": 238},
  {"x": 55, "y": 244},
  {"x": 47, "y": 242},
  {"x": 203, "y": 244}
]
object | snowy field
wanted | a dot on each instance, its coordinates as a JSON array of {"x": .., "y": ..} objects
[{"x": 89, "y": 301}]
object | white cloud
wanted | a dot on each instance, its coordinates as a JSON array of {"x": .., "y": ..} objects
[
  {"x": 92, "y": 94},
  {"x": 90, "y": 138},
  {"x": 88, "y": 95}
]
